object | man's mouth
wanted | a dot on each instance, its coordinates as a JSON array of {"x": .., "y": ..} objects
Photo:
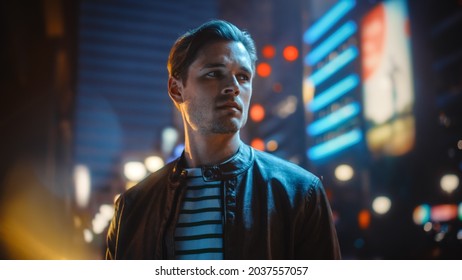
[{"x": 230, "y": 105}]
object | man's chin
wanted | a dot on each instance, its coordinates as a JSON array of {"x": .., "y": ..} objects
[{"x": 230, "y": 127}]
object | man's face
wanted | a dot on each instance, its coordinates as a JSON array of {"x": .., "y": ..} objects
[{"x": 216, "y": 96}]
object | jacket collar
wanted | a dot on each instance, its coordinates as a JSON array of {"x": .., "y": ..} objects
[{"x": 237, "y": 164}]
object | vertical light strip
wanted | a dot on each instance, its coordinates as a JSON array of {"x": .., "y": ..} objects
[
  {"x": 333, "y": 93},
  {"x": 334, "y": 119},
  {"x": 335, "y": 145},
  {"x": 333, "y": 66},
  {"x": 330, "y": 18},
  {"x": 333, "y": 41}
]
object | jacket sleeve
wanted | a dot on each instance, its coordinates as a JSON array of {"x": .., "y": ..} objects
[
  {"x": 319, "y": 237},
  {"x": 113, "y": 231}
]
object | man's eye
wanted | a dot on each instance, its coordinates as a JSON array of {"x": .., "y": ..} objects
[
  {"x": 243, "y": 77},
  {"x": 213, "y": 74}
]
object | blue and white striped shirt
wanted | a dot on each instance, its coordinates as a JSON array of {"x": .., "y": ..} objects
[{"x": 199, "y": 231}]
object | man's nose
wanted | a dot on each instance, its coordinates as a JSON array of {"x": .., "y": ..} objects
[{"x": 231, "y": 86}]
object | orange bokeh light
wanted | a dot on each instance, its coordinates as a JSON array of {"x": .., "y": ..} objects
[
  {"x": 258, "y": 144},
  {"x": 277, "y": 87},
  {"x": 263, "y": 69},
  {"x": 257, "y": 113},
  {"x": 290, "y": 53},
  {"x": 268, "y": 51},
  {"x": 364, "y": 219}
]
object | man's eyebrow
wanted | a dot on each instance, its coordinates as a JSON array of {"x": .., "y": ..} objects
[
  {"x": 221, "y": 65},
  {"x": 213, "y": 65}
]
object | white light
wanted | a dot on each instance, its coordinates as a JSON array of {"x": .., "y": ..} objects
[
  {"x": 107, "y": 211},
  {"x": 87, "y": 235},
  {"x": 287, "y": 107},
  {"x": 459, "y": 234},
  {"x": 449, "y": 183},
  {"x": 439, "y": 236},
  {"x": 134, "y": 170},
  {"x": 99, "y": 223},
  {"x": 344, "y": 172},
  {"x": 82, "y": 185},
  {"x": 459, "y": 144},
  {"x": 428, "y": 226},
  {"x": 154, "y": 163},
  {"x": 381, "y": 204},
  {"x": 169, "y": 139}
]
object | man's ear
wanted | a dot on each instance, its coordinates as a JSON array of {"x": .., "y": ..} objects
[{"x": 175, "y": 90}]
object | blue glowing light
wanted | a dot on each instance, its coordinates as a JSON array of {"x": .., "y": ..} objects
[
  {"x": 333, "y": 66},
  {"x": 330, "y": 18},
  {"x": 333, "y": 41},
  {"x": 422, "y": 214},
  {"x": 334, "y": 119},
  {"x": 333, "y": 93},
  {"x": 335, "y": 145},
  {"x": 460, "y": 211}
]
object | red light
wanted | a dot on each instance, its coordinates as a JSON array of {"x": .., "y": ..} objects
[
  {"x": 443, "y": 212},
  {"x": 277, "y": 87},
  {"x": 257, "y": 113},
  {"x": 264, "y": 69},
  {"x": 258, "y": 144},
  {"x": 268, "y": 51},
  {"x": 290, "y": 53},
  {"x": 364, "y": 219}
]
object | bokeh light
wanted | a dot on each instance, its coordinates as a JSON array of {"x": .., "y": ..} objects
[
  {"x": 258, "y": 144},
  {"x": 364, "y": 219},
  {"x": 272, "y": 145},
  {"x": 87, "y": 235},
  {"x": 449, "y": 183},
  {"x": 359, "y": 243},
  {"x": 277, "y": 87},
  {"x": 263, "y": 69},
  {"x": 428, "y": 226},
  {"x": 154, "y": 163},
  {"x": 344, "y": 172},
  {"x": 268, "y": 51},
  {"x": 381, "y": 205},
  {"x": 290, "y": 53},
  {"x": 134, "y": 170},
  {"x": 460, "y": 211},
  {"x": 444, "y": 212},
  {"x": 421, "y": 214},
  {"x": 169, "y": 138},
  {"x": 257, "y": 112},
  {"x": 82, "y": 184}
]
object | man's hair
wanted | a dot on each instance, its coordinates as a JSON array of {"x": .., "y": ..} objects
[{"x": 186, "y": 47}]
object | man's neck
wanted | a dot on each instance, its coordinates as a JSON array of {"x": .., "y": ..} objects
[{"x": 211, "y": 149}]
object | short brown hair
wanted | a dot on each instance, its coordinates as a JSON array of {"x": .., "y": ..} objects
[{"x": 186, "y": 47}]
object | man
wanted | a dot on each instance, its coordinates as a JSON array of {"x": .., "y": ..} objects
[{"x": 221, "y": 199}]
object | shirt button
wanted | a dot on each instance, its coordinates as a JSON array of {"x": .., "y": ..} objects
[
  {"x": 208, "y": 173},
  {"x": 230, "y": 216},
  {"x": 230, "y": 199}
]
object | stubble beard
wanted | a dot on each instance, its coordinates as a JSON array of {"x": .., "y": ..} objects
[
  {"x": 224, "y": 125},
  {"x": 221, "y": 125}
]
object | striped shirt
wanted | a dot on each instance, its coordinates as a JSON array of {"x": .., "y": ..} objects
[{"x": 199, "y": 231}]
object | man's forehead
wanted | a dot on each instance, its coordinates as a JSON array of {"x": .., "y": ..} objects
[{"x": 223, "y": 51}]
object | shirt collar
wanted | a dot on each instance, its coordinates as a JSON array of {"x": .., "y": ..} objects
[{"x": 237, "y": 164}]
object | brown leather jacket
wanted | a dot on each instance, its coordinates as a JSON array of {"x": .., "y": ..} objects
[{"x": 273, "y": 209}]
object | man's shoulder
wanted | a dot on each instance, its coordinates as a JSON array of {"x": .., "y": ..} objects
[
  {"x": 274, "y": 166},
  {"x": 154, "y": 181}
]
